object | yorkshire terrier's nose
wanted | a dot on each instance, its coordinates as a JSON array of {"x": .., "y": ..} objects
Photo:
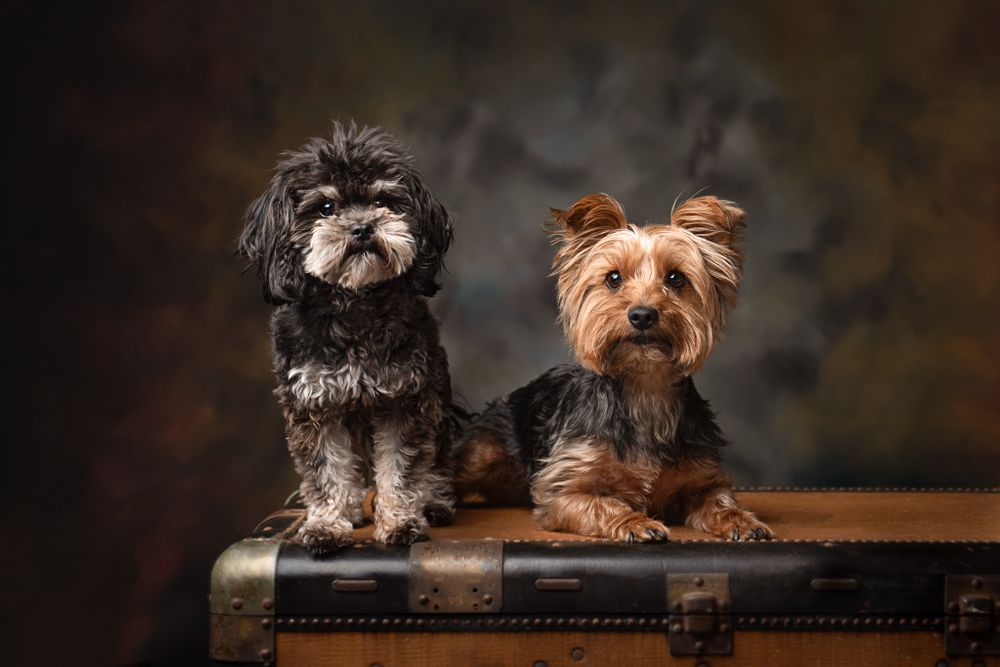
[
  {"x": 643, "y": 317},
  {"x": 362, "y": 231}
]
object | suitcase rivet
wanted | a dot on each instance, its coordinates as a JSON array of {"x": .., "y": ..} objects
[
  {"x": 953, "y": 607},
  {"x": 266, "y": 624},
  {"x": 699, "y": 646},
  {"x": 265, "y": 654},
  {"x": 423, "y": 599},
  {"x": 976, "y": 647},
  {"x": 678, "y": 606},
  {"x": 698, "y": 581},
  {"x": 977, "y": 583},
  {"x": 577, "y": 654},
  {"x": 723, "y": 627},
  {"x": 952, "y": 629},
  {"x": 237, "y": 603},
  {"x": 676, "y": 627},
  {"x": 267, "y": 603},
  {"x": 487, "y": 599}
]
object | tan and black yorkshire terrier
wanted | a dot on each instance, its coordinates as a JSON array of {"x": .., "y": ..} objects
[{"x": 612, "y": 446}]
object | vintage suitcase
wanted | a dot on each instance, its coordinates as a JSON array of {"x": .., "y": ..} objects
[{"x": 856, "y": 577}]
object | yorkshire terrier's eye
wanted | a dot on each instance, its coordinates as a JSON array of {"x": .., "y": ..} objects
[
  {"x": 676, "y": 279},
  {"x": 326, "y": 209},
  {"x": 613, "y": 280}
]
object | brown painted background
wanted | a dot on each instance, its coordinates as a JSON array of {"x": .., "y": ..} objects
[{"x": 862, "y": 138}]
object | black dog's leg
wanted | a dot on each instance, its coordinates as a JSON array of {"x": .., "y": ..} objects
[
  {"x": 405, "y": 444},
  {"x": 332, "y": 486}
]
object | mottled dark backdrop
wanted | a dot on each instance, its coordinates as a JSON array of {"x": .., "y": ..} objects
[{"x": 862, "y": 138}]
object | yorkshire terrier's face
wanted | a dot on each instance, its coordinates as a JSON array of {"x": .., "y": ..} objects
[
  {"x": 634, "y": 299},
  {"x": 346, "y": 212}
]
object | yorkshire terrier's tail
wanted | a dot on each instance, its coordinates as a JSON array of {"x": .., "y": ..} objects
[{"x": 485, "y": 457}]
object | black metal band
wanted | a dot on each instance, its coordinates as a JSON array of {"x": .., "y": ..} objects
[{"x": 601, "y": 623}]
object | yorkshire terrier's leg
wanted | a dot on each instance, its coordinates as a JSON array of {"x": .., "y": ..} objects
[
  {"x": 584, "y": 489},
  {"x": 332, "y": 487},
  {"x": 714, "y": 510},
  {"x": 404, "y": 452}
]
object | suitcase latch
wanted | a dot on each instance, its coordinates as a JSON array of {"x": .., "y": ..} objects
[
  {"x": 971, "y": 610},
  {"x": 700, "y": 622}
]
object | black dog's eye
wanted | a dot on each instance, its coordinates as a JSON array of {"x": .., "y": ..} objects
[
  {"x": 676, "y": 279},
  {"x": 326, "y": 209},
  {"x": 613, "y": 280},
  {"x": 379, "y": 203}
]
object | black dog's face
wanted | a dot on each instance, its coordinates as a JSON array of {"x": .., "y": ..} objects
[
  {"x": 348, "y": 212},
  {"x": 355, "y": 234}
]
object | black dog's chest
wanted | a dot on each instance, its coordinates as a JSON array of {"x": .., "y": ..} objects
[
  {"x": 356, "y": 376},
  {"x": 333, "y": 361}
]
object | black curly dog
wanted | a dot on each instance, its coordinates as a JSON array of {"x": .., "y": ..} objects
[{"x": 348, "y": 242}]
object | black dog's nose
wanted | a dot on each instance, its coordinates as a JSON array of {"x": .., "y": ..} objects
[
  {"x": 643, "y": 317},
  {"x": 361, "y": 232}
]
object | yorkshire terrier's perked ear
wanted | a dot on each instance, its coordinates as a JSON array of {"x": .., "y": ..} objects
[
  {"x": 718, "y": 225},
  {"x": 582, "y": 225},
  {"x": 713, "y": 219}
]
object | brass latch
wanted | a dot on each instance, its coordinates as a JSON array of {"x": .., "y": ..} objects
[
  {"x": 971, "y": 604},
  {"x": 700, "y": 622}
]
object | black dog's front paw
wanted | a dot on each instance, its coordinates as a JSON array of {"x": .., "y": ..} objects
[
  {"x": 439, "y": 515},
  {"x": 407, "y": 531},
  {"x": 322, "y": 536}
]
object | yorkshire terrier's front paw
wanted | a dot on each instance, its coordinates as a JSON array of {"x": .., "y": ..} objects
[
  {"x": 406, "y": 531},
  {"x": 740, "y": 525},
  {"x": 638, "y": 527},
  {"x": 322, "y": 535}
]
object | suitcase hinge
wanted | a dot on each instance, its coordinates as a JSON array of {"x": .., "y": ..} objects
[
  {"x": 972, "y": 615},
  {"x": 456, "y": 577},
  {"x": 700, "y": 614}
]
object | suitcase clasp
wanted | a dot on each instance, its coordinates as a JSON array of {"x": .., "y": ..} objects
[
  {"x": 700, "y": 622},
  {"x": 971, "y": 613}
]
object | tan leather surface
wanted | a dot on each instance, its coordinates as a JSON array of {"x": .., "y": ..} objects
[
  {"x": 794, "y": 515},
  {"x": 636, "y": 649}
]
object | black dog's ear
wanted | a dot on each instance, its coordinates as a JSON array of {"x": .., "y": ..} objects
[
  {"x": 434, "y": 224},
  {"x": 265, "y": 241}
]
